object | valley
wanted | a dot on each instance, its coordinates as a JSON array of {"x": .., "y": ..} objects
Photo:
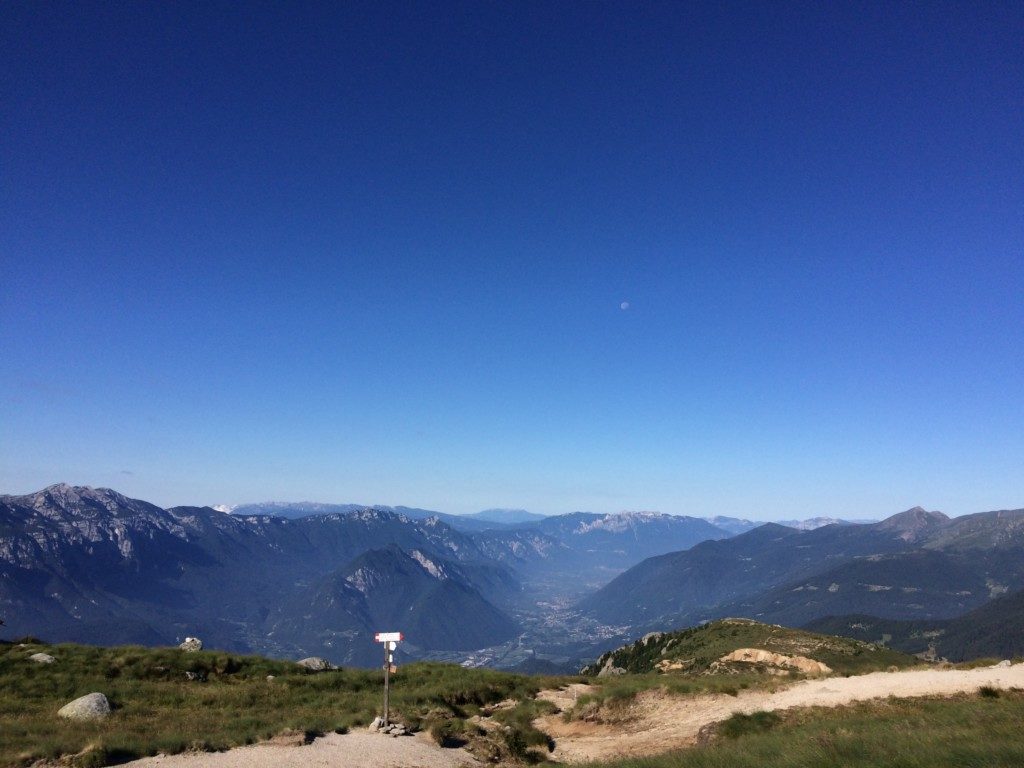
[{"x": 545, "y": 594}]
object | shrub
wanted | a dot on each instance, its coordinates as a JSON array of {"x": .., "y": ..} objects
[
  {"x": 756, "y": 722},
  {"x": 449, "y": 733}
]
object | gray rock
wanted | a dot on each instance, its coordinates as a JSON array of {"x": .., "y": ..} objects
[
  {"x": 270, "y": 678},
  {"x": 92, "y": 706},
  {"x": 42, "y": 658},
  {"x": 191, "y": 644},
  {"x": 609, "y": 669},
  {"x": 1004, "y": 663},
  {"x": 198, "y": 677},
  {"x": 376, "y": 724},
  {"x": 316, "y": 664}
]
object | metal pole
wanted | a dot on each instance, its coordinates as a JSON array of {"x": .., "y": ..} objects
[{"x": 387, "y": 676}]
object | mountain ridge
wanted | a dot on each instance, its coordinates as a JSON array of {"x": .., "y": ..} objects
[{"x": 757, "y": 573}]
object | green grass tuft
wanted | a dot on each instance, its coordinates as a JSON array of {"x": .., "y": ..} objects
[{"x": 756, "y": 722}]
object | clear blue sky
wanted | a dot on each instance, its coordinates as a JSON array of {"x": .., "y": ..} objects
[{"x": 379, "y": 252}]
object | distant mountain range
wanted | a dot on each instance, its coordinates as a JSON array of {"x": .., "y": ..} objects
[
  {"x": 916, "y": 564},
  {"x": 493, "y": 518},
  {"x": 92, "y": 565},
  {"x": 580, "y": 551},
  {"x": 294, "y": 510},
  {"x": 507, "y": 516},
  {"x": 298, "y": 579},
  {"x": 736, "y": 526}
]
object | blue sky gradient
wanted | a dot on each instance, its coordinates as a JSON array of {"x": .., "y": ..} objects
[{"x": 379, "y": 253}]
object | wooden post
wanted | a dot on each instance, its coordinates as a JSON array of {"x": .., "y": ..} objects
[
  {"x": 390, "y": 641},
  {"x": 387, "y": 680}
]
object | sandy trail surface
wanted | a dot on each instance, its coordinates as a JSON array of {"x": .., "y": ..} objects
[
  {"x": 657, "y": 722},
  {"x": 352, "y": 750}
]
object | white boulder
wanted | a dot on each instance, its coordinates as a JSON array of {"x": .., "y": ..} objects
[
  {"x": 92, "y": 706},
  {"x": 316, "y": 664}
]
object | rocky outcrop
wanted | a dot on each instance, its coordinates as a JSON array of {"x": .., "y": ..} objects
[
  {"x": 673, "y": 665},
  {"x": 92, "y": 706},
  {"x": 191, "y": 644},
  {"x": 609, "y": 669},
  {"x": 779, "y": 661},
  {"x": 42, "y": 658},
  {"x": 316, "y": 664}
]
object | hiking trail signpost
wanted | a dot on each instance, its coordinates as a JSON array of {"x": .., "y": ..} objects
[{"x": 390, "y": 642}]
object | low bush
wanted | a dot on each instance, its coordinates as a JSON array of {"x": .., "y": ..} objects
[
  {"x": 742, "y": 724},
  {"x": 449, "y": 732}
]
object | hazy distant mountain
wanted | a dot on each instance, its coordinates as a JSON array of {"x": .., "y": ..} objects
[
  {"x": 298, "y": 509},
  {"x": 736, "y": 526},
  {"x": 820, "y": 522},
  {"x": 506, "y": 516},
  {"x": 290, "y": 509},
  {"x": 583, "y": 550},
  {"x": 733, "y": 525},
  {"x": 779, "y": 574},
  {"x": 90, "y": 564}
]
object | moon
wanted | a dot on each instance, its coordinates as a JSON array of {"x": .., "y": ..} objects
[{"x": 624, "y": 305}]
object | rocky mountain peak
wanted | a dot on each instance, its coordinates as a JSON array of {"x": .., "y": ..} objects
[
  {"x": 911, "y": 523},
  {"x": 77, "y": 499},
  {"x": 619, "y": 521}
]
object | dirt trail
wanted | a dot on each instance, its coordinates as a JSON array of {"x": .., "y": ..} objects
[
  {"x": 657, "y": 723},
  {"x": 353, "y": 750}
]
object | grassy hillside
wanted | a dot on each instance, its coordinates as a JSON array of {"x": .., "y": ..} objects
[
  {"x": 962, "y": 732},
  {"x": 694, "y": 650},
  {"x": 157, "y": 709}
]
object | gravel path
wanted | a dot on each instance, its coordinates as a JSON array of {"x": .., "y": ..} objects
[
  {"x": 657, "y": 723},
  {"x": 353, "y": 750}
]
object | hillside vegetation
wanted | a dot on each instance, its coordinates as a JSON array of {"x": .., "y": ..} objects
[
  {"x": 698, "y": 650},
  {"x": 994, "y": 630},
  {"x": 231, "y": 700}
]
